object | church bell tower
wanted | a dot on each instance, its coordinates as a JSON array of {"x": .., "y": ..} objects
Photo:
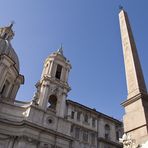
[
  {"x": 136, "y": 106},
  {"x": 53, "y": 86}
]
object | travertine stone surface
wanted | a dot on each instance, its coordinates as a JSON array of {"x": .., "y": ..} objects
[
  {"x": 136, "y": 106},
  {"x": 134, "y": 75}
]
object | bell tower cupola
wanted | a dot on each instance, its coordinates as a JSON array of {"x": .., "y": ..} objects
[
  {"x": 53, "y": 87},
  {"x": 57, "y": 66}
]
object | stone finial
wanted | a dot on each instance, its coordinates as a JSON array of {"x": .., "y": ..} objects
[
  {"x": 120, "y": 7},
  {"x": 60, "y": 50}
]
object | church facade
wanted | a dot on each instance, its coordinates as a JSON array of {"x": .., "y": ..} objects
[{"x": 51, "y": 120}]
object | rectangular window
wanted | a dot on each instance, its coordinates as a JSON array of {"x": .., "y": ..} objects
[
  {"x": 107, "y": 131},
  {"x": 77, "y": 133},
  {"x": 93, "y": 122},
  {"x": 86, "y": 118},
  {"x": 106, "y": 136},
  {"x": 85, "y": 136},
  {"x": 78, "y": 116},
  {"x": 93, "y": 139},
  {"x": 72, "y": 114},
  {"x": 117, "y": 135},
  {"x": 58, "y": 72},
  {"x": 71, "y": 129}
]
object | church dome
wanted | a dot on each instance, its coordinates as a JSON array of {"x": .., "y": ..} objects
[
  {"x": 6, "y": 34},
  {"x": 7, "y": 49}
]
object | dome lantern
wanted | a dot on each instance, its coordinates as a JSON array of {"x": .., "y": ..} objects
[{"x": 7, "y": 33}]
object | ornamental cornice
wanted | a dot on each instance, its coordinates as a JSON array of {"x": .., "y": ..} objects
[
  {"x": 57, "y": 82},
  {"x": 36, "y": 127},
  {"x": 134, "y": 99}
]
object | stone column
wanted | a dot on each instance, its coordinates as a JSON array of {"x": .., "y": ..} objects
[
  {"x": 66, "y": 75},
  {"x": 54, "y": 67},
  {"x": 44, "y": 95},
  {"x": 63, "y": 74},
  {"x": 61, "y": 105},
  {"x": 3, "y": 71},
  {"x": 14, "y": 91}
]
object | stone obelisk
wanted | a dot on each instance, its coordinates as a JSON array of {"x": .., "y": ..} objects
[{"x": 135, "y": 119}]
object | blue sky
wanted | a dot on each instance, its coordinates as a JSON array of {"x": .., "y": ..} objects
[{"x": 89, "y": 32}]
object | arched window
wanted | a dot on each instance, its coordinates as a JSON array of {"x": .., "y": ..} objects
[
  {"x": 118, "y": 133},
  {"x": 107, "y": 131},
  {"x": 52, "y": 102}
]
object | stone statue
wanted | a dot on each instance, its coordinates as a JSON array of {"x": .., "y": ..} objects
[
  {"x": 36, "y": 98},
  {"x": 144, "y": 145},
  {"x": 127, "y": 141}
]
